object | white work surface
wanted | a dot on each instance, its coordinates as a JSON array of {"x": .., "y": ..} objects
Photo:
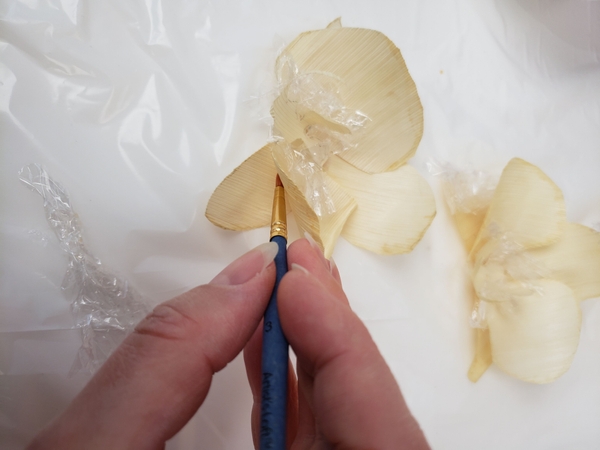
[{"x": 139, "y": 109}]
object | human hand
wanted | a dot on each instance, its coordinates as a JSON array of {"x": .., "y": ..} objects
[
  {"x": 159, "y": 376},
  {"x": 345, "y": 396}
]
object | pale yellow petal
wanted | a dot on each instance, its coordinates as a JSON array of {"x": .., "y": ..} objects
[
  {"x": 535, "y": 338},
  {"x": 244, "y": 199},
  {"x": 370, "y": 77},
  {"x": 324, "y": 228},
  {"x": 394, "y": 209},
  {"x": 527, "y": 208},
  {"x": 468, "y": 226},
  {"x": 336, "y": 23},
  {"x": 483, "y": 355},
  {"x": 574, "y": 260}
]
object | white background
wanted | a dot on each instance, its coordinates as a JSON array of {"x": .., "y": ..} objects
[{"x": 141, "y": 108}]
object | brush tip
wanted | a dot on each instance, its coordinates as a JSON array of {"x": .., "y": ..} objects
[{"x": 278, "y": 182}]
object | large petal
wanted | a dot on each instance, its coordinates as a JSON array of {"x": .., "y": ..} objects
[
  {"x": 244, "y": 199},
  {"x": 573, "y": 260},
  {"x": 370, "y": 77},
  {"x": 394, "y": 209},
  {"x": 326, "y": 227},
  {"x": 527, "y": 208},
  {"x": 535, "y": 337}
]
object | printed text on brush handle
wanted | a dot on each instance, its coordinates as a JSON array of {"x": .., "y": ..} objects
[{"x": 265, "y": 430}]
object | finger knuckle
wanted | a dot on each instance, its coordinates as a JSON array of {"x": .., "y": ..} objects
[{"x": 167, "y": 321}]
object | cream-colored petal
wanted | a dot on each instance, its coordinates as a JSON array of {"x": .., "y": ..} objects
[
  {"x": 573, "y": 260},
  {"x": 371, "y": 77},
  {"x": 468, "y": 226},
  {"x": 535, "y": 337},
  {"x": 244, "y": 199},
  {"x": 394, "y": 209},
  {"x": 336, "y": 23},
  {"x": 483, "y": 355},
  {"x": 527, "y": 208},
  {"x": 324, "y": 228}
]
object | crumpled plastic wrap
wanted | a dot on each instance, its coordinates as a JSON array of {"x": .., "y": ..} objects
[
  {"x": 307, "y": 173},
  {"x": 105, "y": 307},
  {"x": 140, "y": 109},
  {"x": 317, "y": 93},
  {"x": 309, "y": 92},
  {"x": 467, "y": 191}
]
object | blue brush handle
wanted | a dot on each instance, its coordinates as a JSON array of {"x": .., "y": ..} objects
[{"x": 274, "y": 365}]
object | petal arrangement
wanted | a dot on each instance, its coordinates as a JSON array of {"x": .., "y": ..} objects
[
  {"x": 348, "y": 118},
  {"x": 531, "y": 270}
]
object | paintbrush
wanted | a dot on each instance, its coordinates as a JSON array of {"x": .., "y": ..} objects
[{"x": 275, "y": 345}]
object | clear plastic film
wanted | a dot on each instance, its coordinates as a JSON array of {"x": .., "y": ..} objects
[
  {"x": 308, "y": 93},
  {"x": 468, "y": 190},
  {"x": 105, "y": 307},
  {"x": 318, "y": 92},
  {"x": 266, "y": 87},
  {"x": 504, "y": 272},
  {"x": 477, "y": 317},
  {"x": 139, "y": 109},
  {"x": 307, "y": 173},
  {"x": 336, "y": 131}
]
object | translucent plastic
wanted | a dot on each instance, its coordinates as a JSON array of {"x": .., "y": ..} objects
[
  {"x": 467, "y": 190},
  {"x": 307, "y": 174},
  {"x": 513, "y": 269},
  {"x": 317, "y": 93},
  {"x": 139, "y": 109},
  {"x": 105, "y": 308}
]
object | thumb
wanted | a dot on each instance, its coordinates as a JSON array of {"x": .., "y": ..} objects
[
  {"x": 350, "y": 390},
  {"x": 159, "y": 376}
]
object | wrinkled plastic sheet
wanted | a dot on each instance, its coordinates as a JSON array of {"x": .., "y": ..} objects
[{"x": 139, "y": 109}]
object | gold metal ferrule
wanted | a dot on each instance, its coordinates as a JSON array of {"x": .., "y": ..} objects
[{"x": 278, "y": 216}]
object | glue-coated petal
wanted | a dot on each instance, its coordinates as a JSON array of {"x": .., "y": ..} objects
[
  {"x": 324, "y": 228},
  {"x": 371, "y": 78},
  {"x": 531, "y": 268}
]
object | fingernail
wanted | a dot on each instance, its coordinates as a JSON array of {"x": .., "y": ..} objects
[
  {"x": 300, "y": 268},
  {"x": 312, "y": 242},
  {"x": 314, "y": 245},
  {"x": 248, "y": 265},
  {"x": 332, "y": 265}
]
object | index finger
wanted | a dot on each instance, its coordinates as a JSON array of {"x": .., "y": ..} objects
[{"x": 159, "y": 376}]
